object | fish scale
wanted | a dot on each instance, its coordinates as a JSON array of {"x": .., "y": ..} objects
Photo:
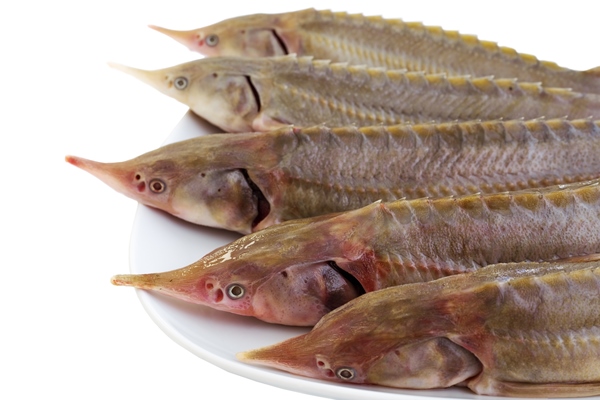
[
  {"x": 555, "y": 336},
  {"x": 375, "y": 41},
  {"x": 464, "y": 168},
  {"x": 429, "y": 49},
  {"x": 427, "y": 225},
  {"x": 245, "y": 94}
]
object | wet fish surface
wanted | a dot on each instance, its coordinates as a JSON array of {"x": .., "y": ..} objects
[
  {"x": 295, "y": 272},
  {"x": 525, "y": 329},
  {"x": 376, "y": 42},
  {"x": 248, "y": 182},
  {"x": 240, "y": 94}
]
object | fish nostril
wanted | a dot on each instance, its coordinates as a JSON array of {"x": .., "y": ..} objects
[
  {"x": 138, "y": 177},
  {"x": 329, "y": 373},
  {"x": 141, "y": 186},
  {"x": 320, "y": 363},
  {"x": 219, "y": 296},
  {"x": 209, "y": 286}
]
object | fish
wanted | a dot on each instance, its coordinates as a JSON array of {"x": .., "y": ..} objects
[
  {"x": 520, "y": 329},
  {"x": 295, "y": 272},
  {"x": 376, "y": 42},
  {"x": 241, "y": 94},
  {"x": 250, "y": 181}
]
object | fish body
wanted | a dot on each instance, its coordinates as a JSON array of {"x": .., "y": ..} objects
[
  {"x": 295, "y": 272},
  {"x": 376, "y": 42},
  {"x": 525, "y": 329},
  {"x": 250, "y": 181},
  {"x": 240, "y": 94}
]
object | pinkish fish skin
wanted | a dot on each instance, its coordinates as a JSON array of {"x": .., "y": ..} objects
[
  {"x": 295, "y": 272},
  {"x": 524, "y": 329},
  {"x": 376, "y": 42},
  {"x": 240, "y": 94},
  {"x": 251, "y": 181}
]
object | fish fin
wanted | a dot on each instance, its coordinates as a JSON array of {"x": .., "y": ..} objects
[
  {"x": 490, "y": 386},
  {"x": 263, "y": 123},
  {"x": 582, "y": 259}
]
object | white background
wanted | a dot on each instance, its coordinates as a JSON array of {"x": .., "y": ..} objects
[{"x": 65, "y": 330}]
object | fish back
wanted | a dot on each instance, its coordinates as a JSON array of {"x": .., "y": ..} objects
[{"x": 396, "y": 44}]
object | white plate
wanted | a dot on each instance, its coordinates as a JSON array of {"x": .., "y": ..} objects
[{"x": 160, "y": 242}]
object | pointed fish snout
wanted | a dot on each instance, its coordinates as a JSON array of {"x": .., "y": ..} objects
[
  {"x": 293, "y": 355},
  {"x": 152, "y": 78},
  {"x": 93, "y": 167},
  {"x": 144, "y": 281},
  {"x": 191, "y": 284},
  {"x": 186, "y": 38},
  {"x": 113, "y": 174},
  {"x": 123, "y": 68},
  {"x": 73, "y": 160}
]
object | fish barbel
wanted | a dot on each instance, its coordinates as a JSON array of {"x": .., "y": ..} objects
[
  {"x": 376, "y": 42},
  {"x": 295, "y": 272},
  {"x": 240, "y": 94},
  {"x": 249, "y": 181},
  {"x": 524, "y": 329}
]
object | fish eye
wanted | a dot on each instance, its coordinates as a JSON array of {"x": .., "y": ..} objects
[
  {"x": 212, "y": 40},
  {"x": 157, "y": 186},
  {"x": 345, "y": 373},
  {"x": 181, "y": 82},
  {"x": 235, "y": 291}
]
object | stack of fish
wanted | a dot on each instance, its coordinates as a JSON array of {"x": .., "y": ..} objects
[{"x": 439, "y": 226}]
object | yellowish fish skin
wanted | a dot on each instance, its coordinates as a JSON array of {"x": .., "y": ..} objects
[
  {"x": 523, "y": 329},
  {"x": 240, "y": 94},
  {"x": 293, "y": 273},
  {"x": 377, "y": 42},
  {"x": 250, "y": 181}
]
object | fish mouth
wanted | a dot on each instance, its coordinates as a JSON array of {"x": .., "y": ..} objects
[{"x": 263, "y": 207}]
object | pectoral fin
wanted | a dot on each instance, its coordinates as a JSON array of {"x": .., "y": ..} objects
[
  {"x": 262, "y": 123},
  {"x": 487, "y": 385}
]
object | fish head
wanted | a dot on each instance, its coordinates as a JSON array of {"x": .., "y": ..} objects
[
  {"x": 337, "y": 351},
  {"x": 217, "y": 89},
  {"x": 184, "y": 180},
  {"x": 413, "y": 364},
  {"x": 256, "y": 35},
  {"x": 278, "y": 275},
  {"x": 391, "y": 337},
  {"x": 300, "y": 356}
]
